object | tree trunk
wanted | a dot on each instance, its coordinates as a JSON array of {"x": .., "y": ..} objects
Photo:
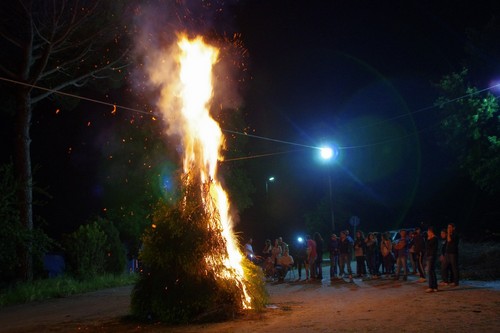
[{"x": 23, "y": 173}]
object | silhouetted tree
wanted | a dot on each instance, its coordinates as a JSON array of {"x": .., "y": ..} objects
[
  {"x": 470, "y": 126},
  {"x": 48, "y": 47}
]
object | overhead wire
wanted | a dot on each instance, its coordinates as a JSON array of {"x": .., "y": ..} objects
[
  {"x": 76, "y": 96},
  {"x": 117, "y": 106},
  {"x": 261, "y": 155},
  {"x": 427, "y": 108}
]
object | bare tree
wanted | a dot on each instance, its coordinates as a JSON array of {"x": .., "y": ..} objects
[{"x": 49, "y": 46}]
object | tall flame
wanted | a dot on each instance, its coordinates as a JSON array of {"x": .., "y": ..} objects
[{"x": 191, "y": 93}]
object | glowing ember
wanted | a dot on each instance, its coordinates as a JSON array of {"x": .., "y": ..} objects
[{"x": 185, "y": 102}]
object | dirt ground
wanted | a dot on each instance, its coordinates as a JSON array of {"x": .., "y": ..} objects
[{"x": 340, "y": 306}]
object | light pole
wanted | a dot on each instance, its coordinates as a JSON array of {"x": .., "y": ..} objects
[
  {"x": 268, "y": 180},
  {"x": 330, "y": 154}
]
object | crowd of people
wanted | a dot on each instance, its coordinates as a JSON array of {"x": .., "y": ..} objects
[{"x": 376, "y": 256}]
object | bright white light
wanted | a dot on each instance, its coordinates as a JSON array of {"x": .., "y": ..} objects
[
  {"x": 326, "y": 153},
  {"x": 271, "y": 179}
]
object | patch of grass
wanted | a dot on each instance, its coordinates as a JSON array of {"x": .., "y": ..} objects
[
  {"x": 60, "y": 287},
  {"x": 479, "y": 261}
]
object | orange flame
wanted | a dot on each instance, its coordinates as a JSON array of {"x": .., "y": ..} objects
[{"x": 185, "y": 103}]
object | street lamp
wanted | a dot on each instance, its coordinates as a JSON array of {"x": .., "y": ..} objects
[
  {"x": 326, "y": 153},
  {"x": 329, "y": 154},
  {"x": 268, "y": 180}
]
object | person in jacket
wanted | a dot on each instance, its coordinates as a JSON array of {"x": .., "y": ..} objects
[
  {"x": 345, "y": 252},
  {"x": 360, "y": 254},
  {"x": 333, "y": 248},
  {"x": 431, "y": 251},
  {"x": 402, "y": 255}
]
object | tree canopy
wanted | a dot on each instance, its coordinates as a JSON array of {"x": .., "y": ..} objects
[{"x": 470, "y": 127}]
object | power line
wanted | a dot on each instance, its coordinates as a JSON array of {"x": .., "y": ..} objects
[
  {"x": 427, "y": 108},
  {"x": 76, "y": 96},
  {"x": 261, "y": 155},
  {"x": 116, "y": 106},
  {"x": 140, "y": 111},
  {"x": 270, "y": 139}
]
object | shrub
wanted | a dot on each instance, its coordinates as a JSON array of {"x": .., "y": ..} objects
[
  {"x": 479, "y": 261},
  {"x": 10, "y": 236},
  {"x": 13, "y": 235},
  {"x": 85, "y": 251},
  {"x": 178, "y": 285},
  {"x": 116, "y": 259}
]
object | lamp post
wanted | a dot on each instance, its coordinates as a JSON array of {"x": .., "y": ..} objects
[
  {"x": 329, "y": 154},
  {"x": 268, "y": 180}
]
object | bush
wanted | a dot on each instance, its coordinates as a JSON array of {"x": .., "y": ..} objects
[
  {"x": 10, "y": 237},
  {"x": 86, "y": 250},
  {"x": 178, "y": 285},
  {"x": 116, "y": 257},
  {"x": 14, "y": 236},
  {"x": 479, "y": 261}
]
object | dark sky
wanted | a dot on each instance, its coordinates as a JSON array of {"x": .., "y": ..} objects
[
  {"x": 355, "y": 73},
  {"x": 359, "y": 74}
]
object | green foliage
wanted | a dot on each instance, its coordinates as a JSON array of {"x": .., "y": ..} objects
[
  {"x": 13, "y": 236},
  {"x": 470, "y": 129},
  {"x": 239, "y": 186},
  {"x": 319, "y": 220},
  {"x": 86, "y": 251},
  {"x": 256, "y": 285},
  {"x": 234, "y": 169},
  {"x": 60, "y": 287},
  {"x": 130, "y": 222},
  {"x": 134, "y": 179},
  {"x": 116, "y": 260},
  {"x": 479, "y": 261},
  {"x": 179, "y": 285}
]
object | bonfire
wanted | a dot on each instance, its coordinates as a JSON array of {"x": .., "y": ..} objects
[{"x": 194, "y": 267}]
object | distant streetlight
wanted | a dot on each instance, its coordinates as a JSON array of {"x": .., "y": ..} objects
[
  {"x": 269, "y": 180},
  {"x": 326, "y": 153},
  {"x": 330, "y": 153}
]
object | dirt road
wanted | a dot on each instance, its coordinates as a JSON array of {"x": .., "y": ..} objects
[
  {"x": 362, "y": 306},
  {"x": 86, "y": 310}
]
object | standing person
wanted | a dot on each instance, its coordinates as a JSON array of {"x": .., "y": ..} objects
[
  {"x": 431, "y": 251},
  {"x": 360, "y": 253},
  {"x": 345, "y": 252},
  {"x": 333, "y": 248},
  {"x": 349, "y": 238},
  {"x": 301, "y": 256},
  {"x": 445, "y": 271},
  {"x": 372, "y": 255},
  {"x": 419, "y": 242},
  {"x": 411, "y": 252},
  {"x": 451, "y": 254},
  {"x": 319, "y": 256},
  {"x": 351, "y": 241},
  {"x": 311, "y": 258},
  {"x": 402, "y": 255},
  {"x": 386, "y": 253}
]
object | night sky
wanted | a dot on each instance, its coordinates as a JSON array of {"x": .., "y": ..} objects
[
  {"x": 358, "y": 74},
  {"x": 361, "y": 75}
]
